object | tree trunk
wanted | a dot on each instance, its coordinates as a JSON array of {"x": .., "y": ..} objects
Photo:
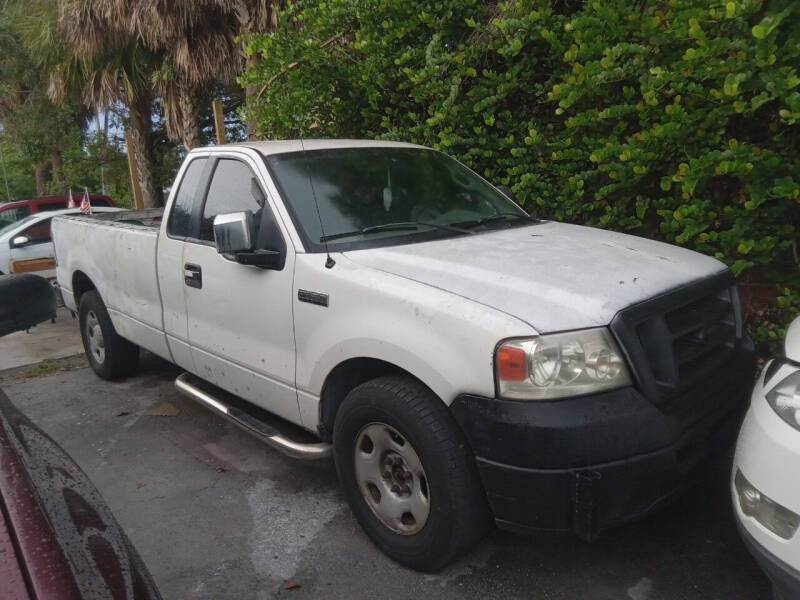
[
  {"x": 58, "y": 164},
  {"x": 250, "y": 95},
  {"x": 139, "y": 129},
  {"x": 40, "y": 171},
  {"x": 190, "y": 118}
]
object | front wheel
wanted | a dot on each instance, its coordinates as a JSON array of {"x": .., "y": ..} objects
[
  {"x": 110, "y": 355},
  {"x": 408, "y": 473}
]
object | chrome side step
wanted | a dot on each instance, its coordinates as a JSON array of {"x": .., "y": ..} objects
[{"x": 270, "y": 429}]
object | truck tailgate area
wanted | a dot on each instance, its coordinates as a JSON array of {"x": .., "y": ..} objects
[{"x": 116, "y": 253}]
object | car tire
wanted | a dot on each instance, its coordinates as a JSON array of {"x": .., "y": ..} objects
[
  {"x": 427, "y": 508},
  {"x": 110, "y": 356}
]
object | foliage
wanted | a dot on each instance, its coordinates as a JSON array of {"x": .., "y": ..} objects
[
  {"x": 20, "y": 174},
  {"x": 677, "y": 120},
  {"x": 92, "y": 162}
]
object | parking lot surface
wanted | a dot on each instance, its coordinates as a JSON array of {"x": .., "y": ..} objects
[{"x": 217, "y": 515}]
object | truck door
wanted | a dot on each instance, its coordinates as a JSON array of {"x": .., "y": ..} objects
[
  {"x": 240, "y": 317},
  {"x": 31, "y": 251},
  {"x": 179, "y": 227}
]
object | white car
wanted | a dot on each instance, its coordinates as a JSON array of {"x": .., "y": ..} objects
[
  {"x": 462, "y": 360},
  {"x": 26, "y": 246},
  {"x": 766, "y": 471}
]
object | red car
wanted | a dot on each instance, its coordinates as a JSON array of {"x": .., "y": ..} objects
[
  {"x": 58, "y": 538},
  {"x": 11, "y": 212}
]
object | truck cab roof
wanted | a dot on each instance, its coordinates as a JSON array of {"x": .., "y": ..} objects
[{"x": 267, "y": 148}]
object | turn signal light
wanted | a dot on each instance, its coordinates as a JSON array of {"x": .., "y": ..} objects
[{"x": 511, "y": 363}]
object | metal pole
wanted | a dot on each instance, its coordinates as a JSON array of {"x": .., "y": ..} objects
[
  {"x": 134, "y": 170},
  {"x": 5, "y": 177},
  {"x": 104, "y": 147},
  {"x": 219, "y": 121}
]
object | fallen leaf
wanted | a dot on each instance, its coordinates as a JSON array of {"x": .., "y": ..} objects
[
  {"x": 291, "y": 585},
  {"x": 221, "y": 469},
  {"x": 123, "y": 413},
  {"x": 141, "y": 484},
  {"x": 166, "y": 409}
]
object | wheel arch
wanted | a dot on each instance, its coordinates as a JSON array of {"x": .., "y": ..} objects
[
  {"x": 81, "y": 283},
  {"x": 344, "y": 378}
]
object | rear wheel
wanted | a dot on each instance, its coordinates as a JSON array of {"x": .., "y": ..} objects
[
  {"x": 109, "y": 355},
  {"x": 408, "y": 474}
]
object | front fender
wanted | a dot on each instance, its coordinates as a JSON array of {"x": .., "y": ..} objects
[{"x": 444, "y": 340}]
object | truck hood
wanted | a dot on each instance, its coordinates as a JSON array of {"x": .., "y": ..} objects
[{"x": 551, "y": 275}]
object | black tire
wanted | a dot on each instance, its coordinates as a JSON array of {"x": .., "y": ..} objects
[
  {"x": 119, "y": 357},
  {"x": 458, "y": 512}
]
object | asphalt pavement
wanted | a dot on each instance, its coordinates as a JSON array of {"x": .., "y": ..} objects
[
  {"x": 45, "y": 341},
  {"x": 216, "y": 515}
]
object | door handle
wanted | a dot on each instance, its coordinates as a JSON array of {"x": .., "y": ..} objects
[{"x": 193, "y": 275}]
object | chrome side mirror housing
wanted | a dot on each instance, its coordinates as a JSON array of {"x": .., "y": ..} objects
[{"x": 233, "y": 232}]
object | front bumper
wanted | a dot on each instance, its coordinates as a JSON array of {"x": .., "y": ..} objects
[
  {"x": 768, "y": 456},
  {"x": 785, "y": 579},
  {"x": 585, "y": 464}
]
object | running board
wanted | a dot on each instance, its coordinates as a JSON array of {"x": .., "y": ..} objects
[{"x": 270, "y": 429}]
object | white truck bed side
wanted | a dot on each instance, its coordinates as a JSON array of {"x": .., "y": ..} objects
[{"x": 119, "y": 258}]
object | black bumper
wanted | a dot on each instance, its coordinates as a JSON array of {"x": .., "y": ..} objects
[
  {"x": 785, "y": 579},
  {"x": 25, "y": 300},
  {"x": 585, "y": 464}
]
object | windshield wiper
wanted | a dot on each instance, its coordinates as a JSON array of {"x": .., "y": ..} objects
[
  {"x": 497, "y": 217},
  {"x": 399, "y": 226}
]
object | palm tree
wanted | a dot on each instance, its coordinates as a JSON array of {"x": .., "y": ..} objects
[
  {"x": 198, "y": 41},
  {"x": 95, "y": 62}
]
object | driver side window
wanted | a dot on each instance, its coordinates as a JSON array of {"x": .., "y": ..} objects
[
  {"x": 234, "y": 188},
  {"x": 39, "y": 233}
]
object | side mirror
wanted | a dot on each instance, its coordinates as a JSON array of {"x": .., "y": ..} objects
[
  {"x": 792, "y": 343},
  {"x": 506, "y": 191},
  {"x": 233, "y": 237},
  {"x": 20, "y": 240},
  {"x": 233, "y": 232}
]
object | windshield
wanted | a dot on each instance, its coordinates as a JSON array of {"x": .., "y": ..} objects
[
  {"x": 375, "y": 196},
  {"x": 6, "y": 227},
  {"x": 12, "y": 214}
]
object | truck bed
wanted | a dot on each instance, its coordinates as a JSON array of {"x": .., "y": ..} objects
[
  {"x": 148, "y": 217},
  {"x": 116, "y": 253}
]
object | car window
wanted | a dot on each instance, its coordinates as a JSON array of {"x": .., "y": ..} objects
[
  {"x": 14, "y": 214},
  {"x": 233, "y": 189},
  {"x": 180, "y": 219},
  {"x": 39, "y": 233},
  {"x": 44, "y": 207},
  {"x": 6, "y": 227}
]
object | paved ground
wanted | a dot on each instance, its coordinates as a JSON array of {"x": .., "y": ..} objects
[
  {"x": 45, "y": 341},
  {"x": 216, "y": 515}
]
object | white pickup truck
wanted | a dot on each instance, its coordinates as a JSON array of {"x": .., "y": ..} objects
[{"x": 464, "y": 362}]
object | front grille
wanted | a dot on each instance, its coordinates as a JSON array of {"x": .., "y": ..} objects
[{"x": 676, "y": 340}]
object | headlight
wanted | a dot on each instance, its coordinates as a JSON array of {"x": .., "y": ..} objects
[
  {"x": 560, "y": 365},
  {"x": 784, "y": 398}
]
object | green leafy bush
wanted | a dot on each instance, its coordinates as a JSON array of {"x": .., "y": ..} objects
[{"x": 677, "y": 120}]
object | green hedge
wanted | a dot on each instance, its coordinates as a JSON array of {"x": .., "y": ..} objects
[{"x": 676, "y": 120}]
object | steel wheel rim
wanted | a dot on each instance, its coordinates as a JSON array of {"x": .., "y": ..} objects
[
  {"x": 94, "y": 335},
  {"x": 391, "y": 478}
]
